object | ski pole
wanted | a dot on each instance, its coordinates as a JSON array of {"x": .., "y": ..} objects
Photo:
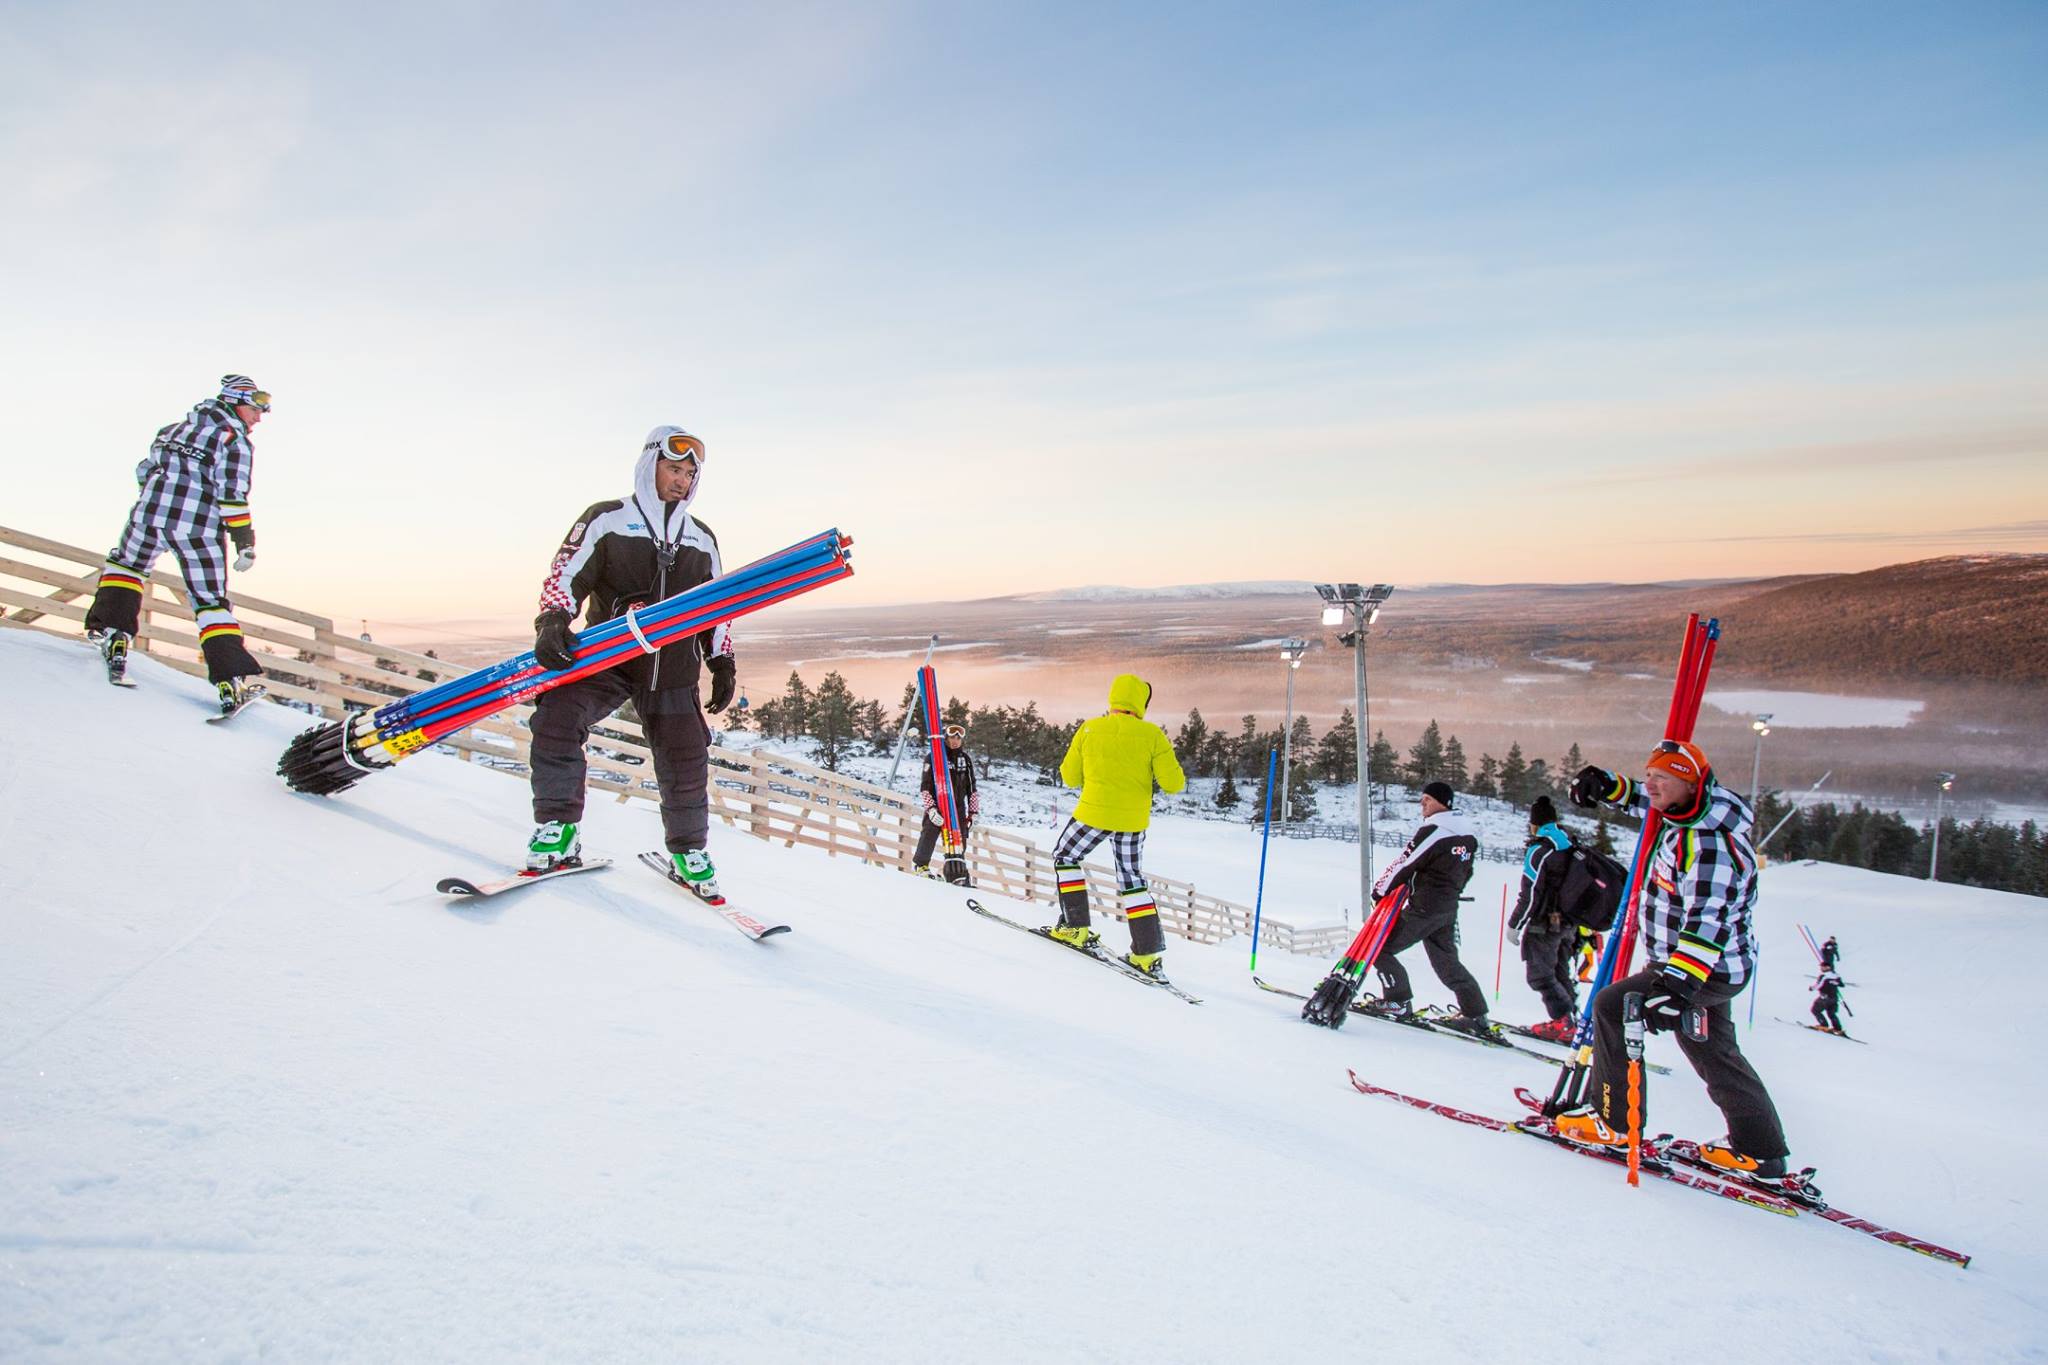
[
  {"x": 1632, "y": 1035},
  {"x": 1259, "y": 901},
  {"x": 1500, "y": 949}
]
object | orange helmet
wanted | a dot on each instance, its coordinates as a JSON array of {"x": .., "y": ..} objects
[{"x": 1682, "y": 759}]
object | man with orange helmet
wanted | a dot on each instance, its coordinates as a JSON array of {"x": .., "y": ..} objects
[{"x": 1698, "y": 898}]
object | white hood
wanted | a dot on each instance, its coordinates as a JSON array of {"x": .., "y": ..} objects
[{"x": 670, "y": 521}]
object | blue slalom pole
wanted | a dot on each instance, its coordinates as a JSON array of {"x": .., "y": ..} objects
[{"x": 1259, "y": 901}]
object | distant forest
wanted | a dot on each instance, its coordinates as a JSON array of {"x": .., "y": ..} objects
[{"x": 1977, "y": 853}]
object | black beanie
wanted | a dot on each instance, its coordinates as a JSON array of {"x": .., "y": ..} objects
[
  {"x": 1542, "y": 812},
  {"x": 1441, "y": 791}
]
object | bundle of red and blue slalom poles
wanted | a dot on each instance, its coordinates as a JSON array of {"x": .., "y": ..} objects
[
  {"x": 1695, "y": 661},
  {"x": 945, "y": 799},
  {"x": 335, "y": 756}
]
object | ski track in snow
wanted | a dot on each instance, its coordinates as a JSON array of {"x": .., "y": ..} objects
[{"x": 356, "y": 1120}]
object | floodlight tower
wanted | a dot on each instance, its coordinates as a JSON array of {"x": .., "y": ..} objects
[
  {"x": 1361, "y": 606},
  {"x": 1948, "y": 784}
]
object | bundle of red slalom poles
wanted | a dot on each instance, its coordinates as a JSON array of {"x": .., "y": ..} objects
[{"x": 333, "y": 757}]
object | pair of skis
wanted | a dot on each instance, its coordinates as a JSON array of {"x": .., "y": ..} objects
[
  {"x": 731, "y": 914},
  {"x": 1816, "y": 1028},
  {"x": 1680, "y": 1162},
  {"x": 1092, "y": 953}
]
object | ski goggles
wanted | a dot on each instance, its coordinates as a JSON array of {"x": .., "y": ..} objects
[
  {"x": 957, "y": 732},
  {"x": 255, "y": 398},
  {"x": 681, "y": 445}
]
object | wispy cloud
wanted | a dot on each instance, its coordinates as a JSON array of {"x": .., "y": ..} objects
[{"x": 2008, "y": 533}]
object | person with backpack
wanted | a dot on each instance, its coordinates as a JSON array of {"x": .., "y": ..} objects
[
  {"x": 1827, "y": 1001},
  {"x": 1548, "y": 941},
  {"x": 960, "y": 773}
]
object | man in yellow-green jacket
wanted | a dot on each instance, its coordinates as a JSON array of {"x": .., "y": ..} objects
[{"x": 1114, "y": 760}]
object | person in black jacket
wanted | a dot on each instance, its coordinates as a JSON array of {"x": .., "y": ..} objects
[
  {"x": 1434, "y": 866},
  {"x": 1827, "y": 1001},
  {"x": 1549, "y": 942},
  {"x": 1830, "y": 954},
  {"x": 623, "y": 554},
  {"x": 967, "y": 801}
]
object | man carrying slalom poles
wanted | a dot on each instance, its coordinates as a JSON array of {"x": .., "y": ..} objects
[{"x": 1699, "y": 895}]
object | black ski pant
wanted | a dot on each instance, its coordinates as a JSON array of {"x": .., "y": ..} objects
[
  {"x": 676, "y": 735},
  {"x": 1549, "y": 962},
  {"x": 1827, "y": 1013},
  {"x": 1732, "y": 1083},
  {"x": 1438, "y": 935},
  {"x": 928, "y": 840}
]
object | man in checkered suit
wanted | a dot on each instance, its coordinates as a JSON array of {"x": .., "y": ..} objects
[
  {"x": 195, "y": 490},
  {"x": 1698, "y": 897}
]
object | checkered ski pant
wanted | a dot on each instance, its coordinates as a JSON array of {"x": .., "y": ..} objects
[
  {"x": 176, "y": 515},
  {"x": 1127, "y": 852}
]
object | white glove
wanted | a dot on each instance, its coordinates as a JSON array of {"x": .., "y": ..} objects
[
  {"x": 1515, "y": 934},
  {"x": 245, "y": 559},
  {"x": 934, "y": 816}
]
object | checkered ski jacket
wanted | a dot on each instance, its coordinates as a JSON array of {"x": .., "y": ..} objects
[
  {"x": 1700, "y": 895},
  {"x": 204, "y": 460}
]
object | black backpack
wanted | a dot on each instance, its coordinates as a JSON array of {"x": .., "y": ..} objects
[{"x": 1592, "y": 888}]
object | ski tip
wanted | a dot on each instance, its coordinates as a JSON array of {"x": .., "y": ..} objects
[{"x": 455, "y": 886}]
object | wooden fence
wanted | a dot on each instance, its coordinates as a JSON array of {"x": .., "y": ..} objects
[{"x": 46, "y": 586}]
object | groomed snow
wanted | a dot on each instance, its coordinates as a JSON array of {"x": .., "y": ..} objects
[{"x": 267, "y": 1096}]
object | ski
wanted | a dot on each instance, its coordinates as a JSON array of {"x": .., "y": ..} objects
[
  {"x": 1092, "y": 954},
  {"x": 1651, "y": 1163},
  {"x": 1420, "y": 1021},
  {"x": 1523, "y": 1031},
  {"x": 241, "y": 705},
  {"x": 1800, "y": 1190},
  {"x": 1816, "y": 1028},
  {"x": 462, "y": 886},
  {"x": 115, "y": 660},
  {"x": 737, "y": 918}
]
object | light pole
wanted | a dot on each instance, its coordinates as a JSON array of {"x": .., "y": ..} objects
[
  {"x": 1362, "y": 606},
  {"x": 1290, "y": 653},
  {"x": 1762, "y": 726},
  {"x": 1948, "y": 784}
]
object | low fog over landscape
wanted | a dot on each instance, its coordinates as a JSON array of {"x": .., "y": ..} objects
[{"x": 1883, "y": 678}]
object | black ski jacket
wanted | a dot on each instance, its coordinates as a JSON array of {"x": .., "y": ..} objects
[{"x": 1435, "y": 866}]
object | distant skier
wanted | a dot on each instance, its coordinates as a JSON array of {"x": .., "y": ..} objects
[
  {"x": 195, "y": 489},
  {"x": 1549, "y": 942},
  {"x": 1827, "y": 1000},
  {"x": 1697, "y": 904},
  {"x": 1115, "y": 759},
  {"x": 1830, "y": 954},
  {"x": 1434, "y": 867},
  {"x": 622, "y": 554},
  {"x": 960, "y": 773}
]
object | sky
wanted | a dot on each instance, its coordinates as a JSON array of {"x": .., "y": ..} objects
[{"x": 1029, "y": 297}]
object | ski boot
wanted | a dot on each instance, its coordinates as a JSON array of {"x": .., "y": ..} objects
[
  {"x": 1587, "y": 1129},
  {"x": 236, "y": 693},
  {"x": 1400, "y": 1011},
  {"x": 554, "y": 844},
  {"x": 1148, "y": 963},
  {"x": 1473, "y": 1026},
  {"x": 1723, "y": 1157},
  {"x": 1078, "y": 936},
  {"x": 1332, "y": 1000},
  {"x": 113, "y": 647},
  {"x": 695, "y": 869}
]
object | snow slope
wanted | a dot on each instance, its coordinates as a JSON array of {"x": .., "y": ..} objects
[{"x": 264, "y": 1095}]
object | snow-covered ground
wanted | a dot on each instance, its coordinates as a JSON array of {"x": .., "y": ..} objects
[
  {"x": 265, "y": 1096},
  {"x": 1819, "y": 710}
]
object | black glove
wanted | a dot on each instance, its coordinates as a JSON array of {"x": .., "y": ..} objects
[
  {"x": 1592, "y": 786},
  {"x": 724, "y": 677},
  {"x": 244, "y": 537},
  {"x": 1667, "y": 999},
  {"x": 554, "y": 644}
]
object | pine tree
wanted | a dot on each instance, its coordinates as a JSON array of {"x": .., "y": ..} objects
[
  {"x": 1302, "y": 740},
  {"x": 1226, "y": 795},
  {"x": 1573, "y": 761},
  {"x": 1426, "y": 759},
  {"x": 1455, "y": 771},
  {"x": 1514, "y": 778},
  {"x": 1301, "y": 791},
  {"x": 1486, "y": 782},
  {"x": 1382, "y": 761},
  {"x": 1337, "y": 756},
  {"x": 1537, "y": 781},
  {"x": 1247, "y": 751},
  {"x": 796, "y": 707},
  {"x": 832, "y": 714},
  {"x": 956, "y": 712},
  {"x": 1603, "y": 834},
  {"x": 1188, "y": 744}
]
